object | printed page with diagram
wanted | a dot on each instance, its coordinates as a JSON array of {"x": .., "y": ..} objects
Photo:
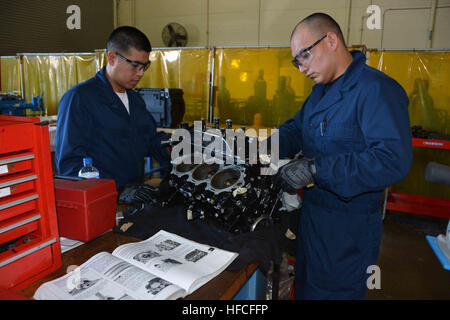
[
  {"x": 106, "y": 277},
  {"x": 183, "y": 262}
]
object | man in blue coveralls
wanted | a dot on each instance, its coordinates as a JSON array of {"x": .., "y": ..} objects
[
  {"x": 102, "y": 118},
  {"x": 354, "y": 135}
]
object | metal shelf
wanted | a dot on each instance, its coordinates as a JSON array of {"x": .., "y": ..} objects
[{"x": 417, "y": 204}]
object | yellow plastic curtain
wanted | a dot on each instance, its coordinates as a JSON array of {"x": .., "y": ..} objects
[
  {"x": 187, "y": 69},
  {"x": 257, "y": 87},
  {"x": 425, "y": 76},
  {"x": 52, "y": 75},
  {"x": 101, "y": 57},
  {"x": 252, "y": 86},
  {"x": 10, "y": 74}
]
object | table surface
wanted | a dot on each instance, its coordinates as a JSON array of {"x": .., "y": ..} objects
[{"x": 222, "y": 287}]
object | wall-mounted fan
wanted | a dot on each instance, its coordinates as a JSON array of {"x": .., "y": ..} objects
[{"x": 174, "y": 35}]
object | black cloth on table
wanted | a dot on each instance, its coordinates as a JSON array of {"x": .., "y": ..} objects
[{"x": 264, "y": 246}]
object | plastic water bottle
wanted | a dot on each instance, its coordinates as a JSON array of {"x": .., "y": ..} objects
[{"x": 88, "y": 171}]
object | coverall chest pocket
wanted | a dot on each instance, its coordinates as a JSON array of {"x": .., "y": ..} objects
[
  {"x": 343, "y": 137},
  {"x": 143, "y": 129},
  {"x": 114, "y": 133},
  {"x": 143, "y": 132},
  {"x": 140, "y": 138}
]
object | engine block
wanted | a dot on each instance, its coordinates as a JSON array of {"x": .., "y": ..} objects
[{"x": 237, "y": 196}]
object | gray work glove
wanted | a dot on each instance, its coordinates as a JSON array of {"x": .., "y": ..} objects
[
  {"x": 296, "y": 175},
  {"x": 291, "y": 202},
  {"x": 138, "y": 193}
]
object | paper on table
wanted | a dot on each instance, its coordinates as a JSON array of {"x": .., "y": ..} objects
[{"x": 67, "y": 244}]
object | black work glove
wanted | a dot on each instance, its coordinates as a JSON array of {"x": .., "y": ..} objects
[
  {"x": 295, "y": 175},
  {"x": 138, "y": 193},
  {"x": 136, "y": 210}
]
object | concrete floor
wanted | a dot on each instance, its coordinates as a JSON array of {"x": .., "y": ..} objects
[{"x": 409, "y": 267}]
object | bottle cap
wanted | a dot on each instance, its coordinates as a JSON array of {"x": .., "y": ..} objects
[{"x": 87, "y": 161}]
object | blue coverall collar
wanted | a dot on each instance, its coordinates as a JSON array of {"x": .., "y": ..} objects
[
  {"x": 351, "y": 75},
  {"x": 101, "y": 75},
  {"x": 349, "y": 78},
  {"x": 113, "y": 99},
  {"x": 344, "y": 83}
]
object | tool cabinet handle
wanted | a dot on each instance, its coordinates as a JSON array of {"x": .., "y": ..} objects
[
  {"x": 20, "y": 223},
  {"x": 26, "y": 253},
  {"x": 17, "y": 202},
  {"x": 16, "y": 159},
  {"x": 17, "y": 181}
]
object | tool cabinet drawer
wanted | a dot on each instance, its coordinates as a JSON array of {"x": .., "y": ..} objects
[
  {"x": 18, "y": 226},
  {"x": 17, "y": 205},
  {"x": 15, "y": 136},
  {"x": 14, "y": 163},
  {"x": 16, "y": 183},
  {"x": 26, "y": 261}
]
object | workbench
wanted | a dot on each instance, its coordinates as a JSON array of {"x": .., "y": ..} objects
[{"x": 222, "y": 287}]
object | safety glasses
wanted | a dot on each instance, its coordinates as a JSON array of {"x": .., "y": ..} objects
[
  {"x": 138, "y": 65},
  {"x": 305, "y": 55}
]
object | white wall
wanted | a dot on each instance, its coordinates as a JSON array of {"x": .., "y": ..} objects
[{"x": 405, "y": 23}]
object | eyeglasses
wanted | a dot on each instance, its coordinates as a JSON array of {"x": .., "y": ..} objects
[
  {"x": 138, "y": 65},
  {"x": 305, "y": 54}
]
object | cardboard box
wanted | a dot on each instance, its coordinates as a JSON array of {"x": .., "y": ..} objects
[{"x": 85, "y": 208}]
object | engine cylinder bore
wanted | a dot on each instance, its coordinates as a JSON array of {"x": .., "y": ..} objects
[
  {"x": 226, "y": 178},
  {"x": 205, "y": 171},
  {"x": 184, "y": 167}
]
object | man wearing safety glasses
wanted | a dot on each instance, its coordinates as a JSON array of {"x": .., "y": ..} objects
[
  {"x": 104, "y": 119},
  {"x": 354, "y": 134}
]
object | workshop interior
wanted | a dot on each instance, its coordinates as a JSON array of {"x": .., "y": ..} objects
[{"x": 218, "y": 69}]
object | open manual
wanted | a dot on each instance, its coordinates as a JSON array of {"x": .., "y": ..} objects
[{"x": 163, "y": 267}]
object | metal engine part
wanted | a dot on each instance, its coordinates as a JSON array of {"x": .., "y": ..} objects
[{"x": 236, "y": 196}]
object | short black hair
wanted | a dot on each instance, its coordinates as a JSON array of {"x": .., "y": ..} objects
[
  {"x": 321, "y": 23},
  {"x": 125, "y": 37}
]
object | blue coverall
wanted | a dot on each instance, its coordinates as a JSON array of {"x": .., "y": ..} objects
[
  {"x": 93, "y": 122},
  {"x": 357, "y": 131}
]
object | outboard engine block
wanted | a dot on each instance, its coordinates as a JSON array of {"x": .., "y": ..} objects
[{"x": 237, "y": 196}]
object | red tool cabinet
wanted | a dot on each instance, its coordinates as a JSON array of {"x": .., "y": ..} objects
[
  {"x": 29, "y": 239},
  {"x": 418, "y": 204}
]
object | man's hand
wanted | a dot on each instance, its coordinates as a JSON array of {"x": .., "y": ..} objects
[
  {"x": 136, "y": 209},
  {"x": 138, "y": 193},
  {"x": 295, "y": 175},
  {"x": 291, "y": 202}
]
